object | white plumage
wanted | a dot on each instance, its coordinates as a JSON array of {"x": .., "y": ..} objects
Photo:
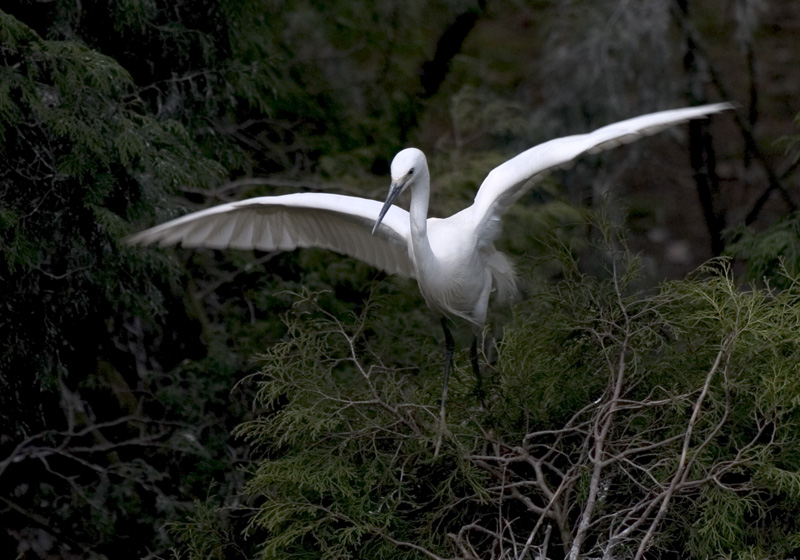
[
  {"x": 453, "y": 259},
  {"x": 282, "y": 223}
]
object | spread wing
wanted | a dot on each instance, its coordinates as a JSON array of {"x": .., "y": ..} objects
[
  {"x": 282, "y": 223},
  {"x": 507, "y": 182}
]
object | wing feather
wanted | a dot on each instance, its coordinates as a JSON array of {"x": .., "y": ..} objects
[
  {"x": 242, "y": 237},
  {"x": 282, "y": 223},
  {"x": 507, "y": 182},
  {"x": 223, "y": 232},
  {"x": 195, "y": 234}
]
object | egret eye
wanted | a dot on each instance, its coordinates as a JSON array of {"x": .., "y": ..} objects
[{"x": 411, "y": 171}]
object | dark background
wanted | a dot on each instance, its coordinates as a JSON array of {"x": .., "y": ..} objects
[{"x": 118, "y": 364}]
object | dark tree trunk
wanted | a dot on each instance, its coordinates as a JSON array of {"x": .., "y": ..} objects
[{"x": 434, "y": 71}]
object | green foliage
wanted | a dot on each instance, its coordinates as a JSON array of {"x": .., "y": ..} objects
[
  {"x": 331, "y": 499},
  {"x": 207, "y": 536},
  {"x": 79, "y": 157},
  {"x": 771, "y": 255},
  {"x": 689, "y": 393},
  {"x": 116, "y": 371}
]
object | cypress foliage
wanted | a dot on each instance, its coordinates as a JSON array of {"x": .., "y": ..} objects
[
  {"x": 80, "y": 158},
  {"x": 616, "y": 422}
]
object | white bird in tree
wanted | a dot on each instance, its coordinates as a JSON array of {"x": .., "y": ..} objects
[{"x": 454, "y": 259}]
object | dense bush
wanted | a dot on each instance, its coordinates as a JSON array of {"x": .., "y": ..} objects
[
  {"x": 121, "y": 369},
  {"x": 616, "y": 421}
]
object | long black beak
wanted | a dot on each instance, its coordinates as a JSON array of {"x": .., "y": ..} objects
[{"x": 394, "y": 190}]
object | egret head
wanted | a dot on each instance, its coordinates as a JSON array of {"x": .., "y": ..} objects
[{"x": 408, "y": 166}]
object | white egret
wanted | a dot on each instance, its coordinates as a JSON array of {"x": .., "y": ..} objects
[{"x": 454, "y": 259}]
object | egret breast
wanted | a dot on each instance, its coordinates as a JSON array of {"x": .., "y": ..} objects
[{"x": 457, "y": 283}]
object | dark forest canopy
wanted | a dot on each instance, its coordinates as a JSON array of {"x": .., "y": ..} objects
[{"x": 159, "y": 403}]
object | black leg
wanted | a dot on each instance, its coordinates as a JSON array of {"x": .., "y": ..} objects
[
  {"x": 449, "y": 348},
  {"x": 476, "y": 368}
]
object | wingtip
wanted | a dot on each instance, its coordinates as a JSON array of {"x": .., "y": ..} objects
[
  {"x": 718, "y": 107},
  {"x": 131, "y": 240},
  {"x": 141, "y": 238}
]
